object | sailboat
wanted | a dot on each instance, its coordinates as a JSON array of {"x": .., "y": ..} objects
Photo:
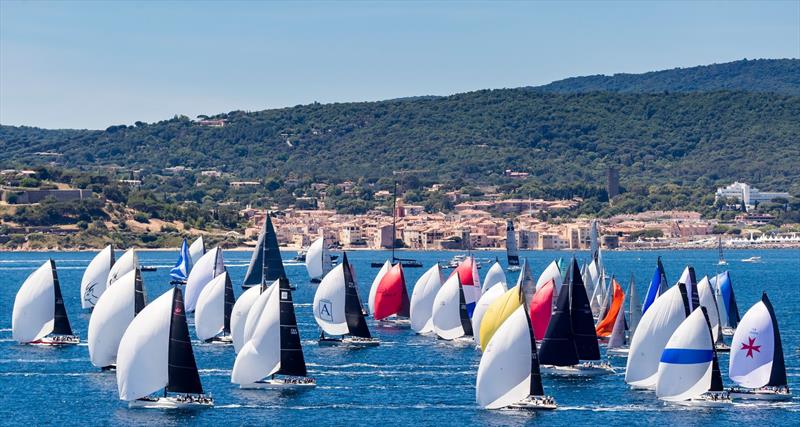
[
  {"x": 658, "y": 286},
  {"x": 373, "y": 289},
  {"x": 128, "y": 262},
  {"x": 406, "y": 262},
  {"x": 494, "y": 276},
  {"x": 212, "y": 318},
  {"x": 421, "y": 307},
  {"x": 391, "y": 304},
  {"x": 112, "y": 314},
  {"x": 39, "y": 316},
  {"x": 488, "y": 296},
  {"x": 249, "y": 306},
  {"x": 541, "y": 308},
  {"x": 470, "y": 281},
  {"x": 721, "y": 253},
  {"x": 94, "y": 280},
  {"x": 571, "y": 335},
  {"x": 338, "y": 310},
  {"x": 726, "y": 302},
  {"x": 207, "y": 268},
  {"x": 618, "y": 341},
  {"x": 657, "y": 325},
  {"x": 708, "y": 300},
  {"x": 180, "y": 272},
  {"x": 634, "y": 305},
  {"x": 274, "y": 348},
  {"x": 266, "y": 265},
  {"x": 757, "y": 364},
  {"x": 690, "y": 281},
  {"x": 509, "y": 373},
  {"x": 688, "y": 370},
  {"x": 606, "y": 325},
  {"x": 498, "y": 311},
  {"x": 156, "y": 352},
  {"x": 197, "y": 249},
  {"x": 318, "y": 260},
  {"x": 512, "y": 252},
  {"x": 451, "y": 319}
]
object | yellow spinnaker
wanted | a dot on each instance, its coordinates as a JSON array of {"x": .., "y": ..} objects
[{"x": 498, "y": 312}]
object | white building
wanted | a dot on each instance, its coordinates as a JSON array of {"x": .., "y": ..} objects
[{"x": 747, "y": 194}]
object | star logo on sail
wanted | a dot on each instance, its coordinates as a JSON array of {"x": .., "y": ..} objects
[{"x": 751, "y": 347}]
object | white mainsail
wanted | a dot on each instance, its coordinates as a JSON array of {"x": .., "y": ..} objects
[
  {"x": 95, "y": 277},
  {"x": 329, "y": 303},
  {"x": 446, "y": 310},
  {"x": 241, "y": 308},
  {"x": 654, "y": 331},
  {"x": 128, "y": 262},
  {"x": 494, "y": 276},
  {"x": 422, "y": 300},
  {"x": 504, "y": 373},
  {"x": 318, "y": 260},
  {"x": 753, "y": 350},
  {"x": 551, "y": 272},
  {"x": 257, "y": 310},
  {"x": 196, "y": 250},
  {"x": 684, "y": 371},
  {"x": 483, "y": 304},
  {"x": 261, "y": 354},
  {"x": 33, "y": 316},
  {"x": 143, "y": 355},
  {"x": 209, "y": 316},
  {"x": 375, "y": 282},
  {"x": 707, "y": 300},
  {"x": 112, "y": 314},
  {"x": 208, "y": 267}
]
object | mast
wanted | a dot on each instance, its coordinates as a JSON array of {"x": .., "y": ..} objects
[
  {"x": 138, "y": 289},
  {"x": 182, "y": 368},
  {"x": 292, "y": 361},
  {"x": 230, "y": 300},
  {"x": 777, "y": 377},
  {"x": 61, "y": 324},
  {"x": 394, "y": 220},
  {"x": 353, "y": 311},
  {"x": 466, "y": 323}
]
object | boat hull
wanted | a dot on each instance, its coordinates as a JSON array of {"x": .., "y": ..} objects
[
  {"x": 221, "y": 340},
  {"x": 760, "y": 394},
  {"x": 535, "y": 403},
  {"x": 171, "y": 403},
  {"x": 57, "y": 340},
  {"x": 621, "y": 352},
  {"x": 708, "y": 400},
  {"x": 280, "y": 384},
  {"x": 582, "y": 370},
  {"x": 354, "y": 342}
]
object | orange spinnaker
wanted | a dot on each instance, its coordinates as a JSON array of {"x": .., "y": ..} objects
[{"x": 606, "y": 325}]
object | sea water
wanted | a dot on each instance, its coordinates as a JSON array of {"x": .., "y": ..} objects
[{"x": 409, "y": 380}]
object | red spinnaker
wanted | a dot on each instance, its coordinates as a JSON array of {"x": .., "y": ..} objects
[
  {"x": 541, "y": 308},
  {"x": 391, "y": 297}
]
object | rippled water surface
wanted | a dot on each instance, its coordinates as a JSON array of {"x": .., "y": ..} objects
[{"x": 408, "y": 380}]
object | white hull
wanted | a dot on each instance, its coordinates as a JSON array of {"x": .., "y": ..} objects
[
  {"x": 171, "y": 403},
  {"x": 582, "y": 370},
  {"x": 728, "y": 331},
  {"x": 535, "y": 403},
  {"x": 280, "y": 384},
  {"x": 708, "y": 400},
  {"x": 395, "y": 323},
  {"x": 221, "y": 340},
  {"x": 621, "y": 352},
  {"x": 515, "y": 268},
  {"x": 57, "y": 340},
  {"x": 350, "y": 342},
  {"x": 723, "y": 348},
  {"x": 760, "y": 394}
]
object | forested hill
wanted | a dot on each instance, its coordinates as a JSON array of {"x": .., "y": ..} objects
[
  {"x": 562, "y": 139},
  {"x": 762, "y": 75}
]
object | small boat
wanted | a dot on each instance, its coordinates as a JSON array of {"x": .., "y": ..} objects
[
  {"x": 726, "y": 302},
  {"x": 338, "y": 310},
  {"x": 266, "y": 265},
  {"x": 207, "y": 268},
  {"x": 422, "y": 297},
  {"x": 212, "y": 318},
  {"x": 450, "y": 316},
  {"x": 617, "y": 341},
  {"x": 512, "y": 252},
  {"x": 318, "y": 260},
  {"x": 39, "y": 316},
  {"x": 180, "y": 272},
  {"x": 757, "y": 362},
  {"x": 148, "y": 268},
  {"x": 271, "y": 351},
  {"x": 156, "y": 352},
  {"x": 709, "y": 301},
  {"x": 721, "y": 260},
  {"x": 688, "y": 370},
  {"x": 94, "y": 280},
  {"x": 301, "y": 256},
  {"x": 752, "y": 259},
  {"x": 112, "y": 314},
  {"x": 658, "y": 286},
  {"x": 509, "y": 373},
  {"x": 128, "y": 262},
  {"x": 391, "y": 305}
]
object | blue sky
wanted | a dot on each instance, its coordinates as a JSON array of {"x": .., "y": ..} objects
[{"x": 94, "y": 64}]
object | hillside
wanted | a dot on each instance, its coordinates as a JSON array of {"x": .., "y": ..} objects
[{"x": 762, "y": 75}]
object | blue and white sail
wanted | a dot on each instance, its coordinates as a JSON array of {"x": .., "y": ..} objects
[
  {"x": 181, "y": 269},
  {"x": 658, "y": 285},
  {"x": 685, "y": 368},
  {"x": 726, "y": 301}
]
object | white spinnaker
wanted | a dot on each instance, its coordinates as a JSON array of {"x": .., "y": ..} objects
[
  {"x": 95, "y": 277},
  {"x": 494, "y": 276},
  {"x": 655, "y": 328},
  {"x": 208, "y": 267},
  {"x": 329, "y": 303},
  {"x": 209, "y": 316},
  {"x": 197, "y": 249},
  {"x": 504, "y": 372},
  {"x": 422, "y": 300},
  {"x": 143, "y": 356},
  {"x": 753, "y": 348},
  {"x": 707, "y": 300},
  {"x": 686, "y": 279},
  {"x": 447, "y": 310},
  {"x": 483, "y": 304},
  {"x": 687, "y": 374},
  {"x": 261, "y": 355},
  {"x": 34, "y": 306},
  {"x": 314, "y": 259},
  {"x": 128, "y": 262},
  {"x": 551, "y": 272},
  {"x": 256, "y": 311},
  {"x": 241, "y": 308},
  {"x": 111, "y": 316},
  {"x": 375, "y": 282}
]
